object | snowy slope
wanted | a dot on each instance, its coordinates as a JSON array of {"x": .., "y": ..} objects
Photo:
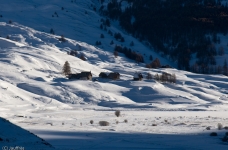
[
  {"x": 14, "y": 137},
  {"x": 36, "y": 96},
  {"x": 73, "y": 19},
  {"x": 33, "y": 66},
  {"x": 32, "y": 86}
]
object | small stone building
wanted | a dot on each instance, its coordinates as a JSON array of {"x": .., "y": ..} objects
[
  {"x": 112, "y": 75},
  {"x": 81, "y": 76}
]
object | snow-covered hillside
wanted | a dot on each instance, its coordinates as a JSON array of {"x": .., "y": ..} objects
[
  {"x": 73, "y": 19},
  {"x": 33, "y": 67},
  {"x": 32, "y": 86},
  {"x": 37, "y": 97}
]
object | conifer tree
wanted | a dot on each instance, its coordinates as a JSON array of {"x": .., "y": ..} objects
[{"x": 66, "y": 69}]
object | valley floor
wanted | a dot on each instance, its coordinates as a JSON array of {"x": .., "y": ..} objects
[{"x": 71, "y": 129}]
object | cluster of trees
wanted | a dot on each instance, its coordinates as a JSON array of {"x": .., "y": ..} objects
[
  {"x": 175, "y": 28},
  {"x": 154, "y": 64},
  {"x": 165, "y": 77},
  {"x": 212, "y": 69},
  {"x": 129, "y": 53}
]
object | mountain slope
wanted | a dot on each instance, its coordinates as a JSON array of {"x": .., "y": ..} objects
[
  {"x": 72, "y": 19},
  {"x": 33, "y": 68}
]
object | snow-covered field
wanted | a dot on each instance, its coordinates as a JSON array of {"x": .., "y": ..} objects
[{"x": 37, "y": 97}]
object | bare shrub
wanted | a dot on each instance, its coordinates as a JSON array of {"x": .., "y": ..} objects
[
  {"x": 103, "y": 123},
  {"x": 125, "y": 121},
  {"x": 220, "y": 126},
  {"x": 154, "y": 124},
  {"x": 82, "y": 57},
  {"x": 213, "y": 134},
  {"x": 226, "y": 127},
  {"x": 117, "y": 113},
  {"x": 208, "y": 128},
  {"x": 62, "y": 39},
  {"x": 117, "y": 122},
  {"x": 91, "y": 121}
]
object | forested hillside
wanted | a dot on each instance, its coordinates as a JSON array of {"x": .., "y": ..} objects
[{"x": 178, "y": 29}]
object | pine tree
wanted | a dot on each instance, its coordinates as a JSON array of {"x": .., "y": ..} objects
[{"x": 66, "y": 69}]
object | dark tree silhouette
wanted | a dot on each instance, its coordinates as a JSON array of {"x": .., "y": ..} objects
[{"x": 66, "y": 70}]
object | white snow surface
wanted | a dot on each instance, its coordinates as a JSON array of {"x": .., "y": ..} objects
[{"x": 37, "y": 97}]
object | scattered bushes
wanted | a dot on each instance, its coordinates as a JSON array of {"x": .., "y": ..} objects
[
  {"x": 103, "y": 123},
  {"x": 117, "y": 113},
  {"x": 125, "y": 120},
  {"x": 165, "y": 77},
  {"x": 129, "y": 53},
  {"x": 154, "y": 124},
  {"x": 91, "y": 121},
  {"x": 226, "y": 127}
]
